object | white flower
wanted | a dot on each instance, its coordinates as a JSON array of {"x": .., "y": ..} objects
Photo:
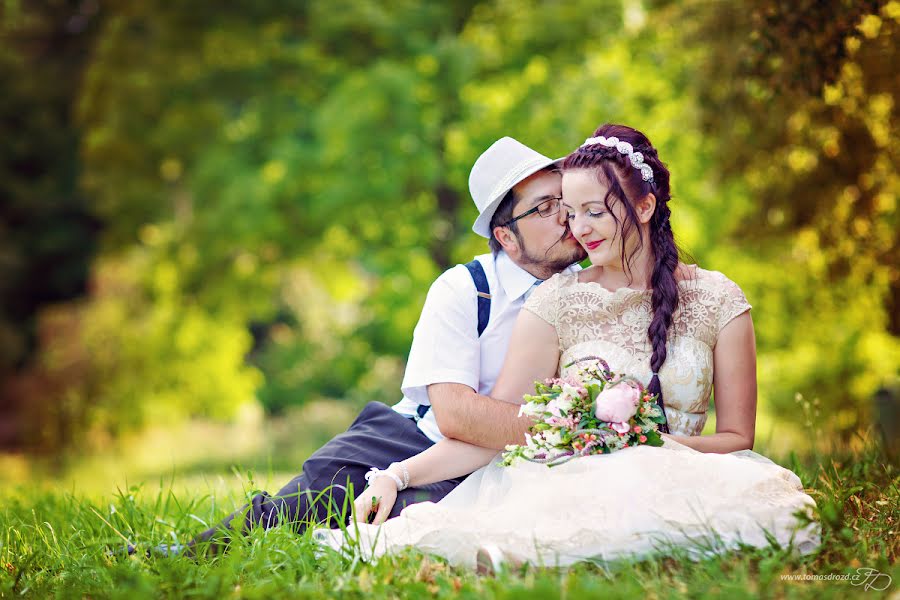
[
  {"x": 535, "y": 442},
  {"x": 561, "y": 405},
  {"x": 553, "y": 438},
  {"x": 532, "y": 409},
  {"x": 569, "y": 391}
]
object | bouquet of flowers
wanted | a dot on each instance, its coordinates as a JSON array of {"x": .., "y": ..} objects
[{"x": 590, "y": 411}]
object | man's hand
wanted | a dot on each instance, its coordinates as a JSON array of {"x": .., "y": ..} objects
[{"x": 378, "y": 499}]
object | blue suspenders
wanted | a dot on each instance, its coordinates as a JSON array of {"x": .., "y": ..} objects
[{"x": 483, "y": 291}]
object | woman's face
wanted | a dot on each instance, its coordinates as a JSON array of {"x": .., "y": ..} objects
[{"x": 597, "y": 229}]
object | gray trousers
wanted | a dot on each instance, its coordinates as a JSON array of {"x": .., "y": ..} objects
[{"x": 319, "y": 496}]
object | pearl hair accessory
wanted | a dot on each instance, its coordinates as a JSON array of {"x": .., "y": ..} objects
[{"x": 636, "y": 158}]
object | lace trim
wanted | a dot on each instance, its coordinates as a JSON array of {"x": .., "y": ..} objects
[{"x": 584, "y": 310}]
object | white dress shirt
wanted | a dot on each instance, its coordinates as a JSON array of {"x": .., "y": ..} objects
[{"x": 446, "y": 347}]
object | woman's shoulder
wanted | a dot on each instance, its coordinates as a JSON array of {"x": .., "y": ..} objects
[
  {"x": 697, "y": 277},
  {"x": 545, "y": 300},
  {"x": 562, "y": 279},
  {"x": 556, "y": 283},
  {"x": 714, "y": 290}
]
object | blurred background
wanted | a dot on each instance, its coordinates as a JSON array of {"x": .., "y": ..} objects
[{"x": 219, "y": 221}]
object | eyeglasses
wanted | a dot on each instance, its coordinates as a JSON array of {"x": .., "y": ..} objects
[{"x": 547, "y": 208}]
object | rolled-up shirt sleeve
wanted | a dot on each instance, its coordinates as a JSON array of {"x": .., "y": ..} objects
[{"x": 445, "y": 347}]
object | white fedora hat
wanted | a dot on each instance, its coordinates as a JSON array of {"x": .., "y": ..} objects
[{"x": 498, "y": 170}]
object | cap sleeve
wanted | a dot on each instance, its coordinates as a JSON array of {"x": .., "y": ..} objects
[
  {"x": 544, "y": 301},
  {"x": 733, "y": 302}
]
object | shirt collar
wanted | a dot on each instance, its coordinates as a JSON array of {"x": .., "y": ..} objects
[{"x": 514, "y": 280}]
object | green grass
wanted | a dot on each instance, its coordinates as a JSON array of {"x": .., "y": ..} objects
[{"x": 56, "y": 543}]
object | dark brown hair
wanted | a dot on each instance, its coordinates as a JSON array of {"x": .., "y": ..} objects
[
  {"x": 626, "y": 184},
  {"x": 502, "y": 215}
]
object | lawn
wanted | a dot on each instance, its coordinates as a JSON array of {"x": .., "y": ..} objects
[{"x": 64, "y": 542}]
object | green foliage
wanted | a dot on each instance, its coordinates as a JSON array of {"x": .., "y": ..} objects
[
  {"x": 299, "y": 171},
  {"x": 134, "y": 355},
  {"x": 807, "y": 132}
]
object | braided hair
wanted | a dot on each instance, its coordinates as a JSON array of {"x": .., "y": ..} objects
[{"x": 625, "y": 184}]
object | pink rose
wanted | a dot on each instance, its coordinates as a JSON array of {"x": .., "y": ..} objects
[
  {"x": 621, "y": 428},
  {"x": 617, "y": 404}
]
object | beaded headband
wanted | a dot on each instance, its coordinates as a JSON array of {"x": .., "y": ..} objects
[{"x": 636, "y": 158}]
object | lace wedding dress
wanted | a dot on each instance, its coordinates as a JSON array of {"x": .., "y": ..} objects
[{"x": 631, "y": 503}]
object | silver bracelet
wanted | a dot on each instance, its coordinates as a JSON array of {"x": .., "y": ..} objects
[
  {"x": 405, "y": 472},
  {"x": 374, "y": 473}
]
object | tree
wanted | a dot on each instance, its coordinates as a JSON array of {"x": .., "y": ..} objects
[
  {"x": 800, "y": 102},
  {"x": 48, "y": 233}
]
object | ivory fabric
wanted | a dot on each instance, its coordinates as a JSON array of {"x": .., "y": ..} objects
[{"x": 629, "y": 504}]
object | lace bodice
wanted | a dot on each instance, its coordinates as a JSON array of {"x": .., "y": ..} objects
[{"x": 591, "y": 320}]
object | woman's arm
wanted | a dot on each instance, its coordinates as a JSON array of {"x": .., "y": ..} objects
[
  {"x": 533, "y": 355},
  {"x": 734, "y": 383},
  {"x": 445, "y": 460}
]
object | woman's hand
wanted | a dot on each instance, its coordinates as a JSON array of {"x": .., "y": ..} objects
[{"x": 378, "y": 498}]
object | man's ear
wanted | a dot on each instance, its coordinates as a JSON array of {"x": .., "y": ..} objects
[
  {"x": 507, "y": 239},
  {"x": 645, "y": 208}
]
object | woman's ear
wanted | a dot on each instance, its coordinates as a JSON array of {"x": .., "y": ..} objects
[{"x": 645, "y": 208}]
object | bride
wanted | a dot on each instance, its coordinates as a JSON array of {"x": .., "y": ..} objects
[{"x": 681, "y": 330}]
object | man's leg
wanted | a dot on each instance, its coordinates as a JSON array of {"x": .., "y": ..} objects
[{"x": 378, "y": 437}]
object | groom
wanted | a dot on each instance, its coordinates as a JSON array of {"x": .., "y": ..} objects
[{"x": 457, "y": 351}]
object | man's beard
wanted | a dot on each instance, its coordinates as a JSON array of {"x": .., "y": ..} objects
[{"x": 555, "y": 259}]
